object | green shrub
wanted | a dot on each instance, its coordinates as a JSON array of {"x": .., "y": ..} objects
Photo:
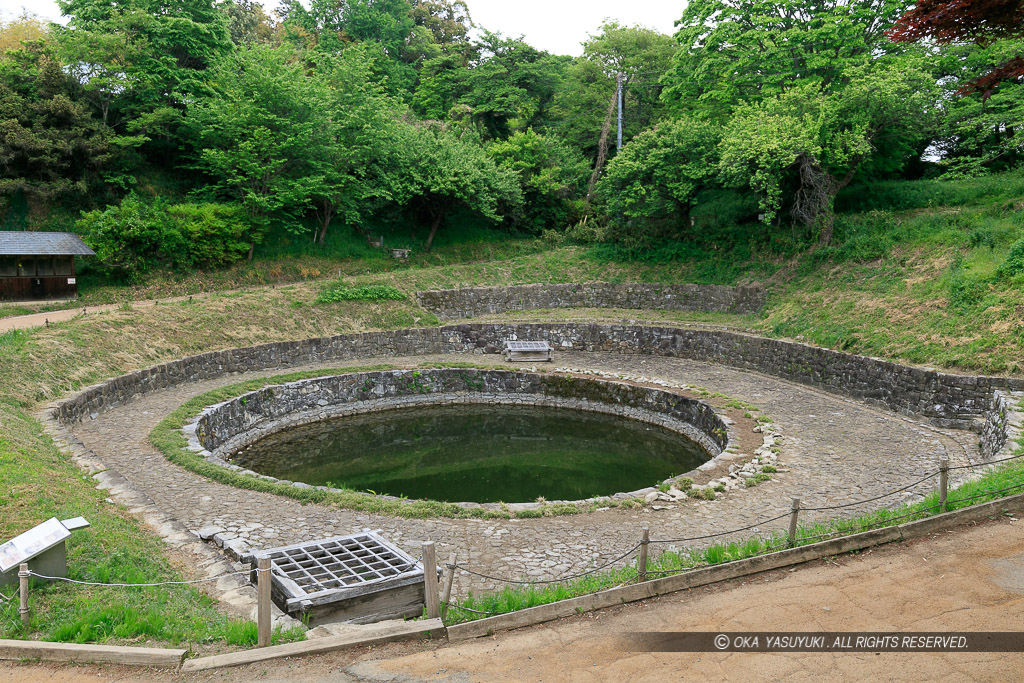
[
  {"x": 701, "y": 494},
  {"x": 1014, "y": 263},
  {"x": 981, "y": 237},
  {"x": 136, "y": 236},
  {"x": 215, "y": 234},
  {"x": 342, "y": 292},
  {"x": 552, "y": 177},
  {"x": 965, "y": 290}
]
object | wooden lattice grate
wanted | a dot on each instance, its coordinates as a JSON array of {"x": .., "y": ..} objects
[{"x": 344, "y": 562}]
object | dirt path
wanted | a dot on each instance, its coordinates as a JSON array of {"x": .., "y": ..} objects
[
  {"x": 970, "y": 579},
  {"x": 27, "y": 322}
]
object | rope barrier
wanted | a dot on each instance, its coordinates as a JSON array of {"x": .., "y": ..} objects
[
  {"x": 987, "y": 493},
  {"x": 986, "y": 463},
  {"x": 863, "y": 527},
  {"x": 869, "y": 500},
  {"x": 771, "y": 547},
  {"x": 474, "y": 611},
  {"x": 721, "y": 533},
  {"x": 549, "y": 581},
  {"x": 889, "y": 520},
  {"x": 140, "y": 585}
]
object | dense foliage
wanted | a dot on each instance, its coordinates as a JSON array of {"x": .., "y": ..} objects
[
  {"x": 396, "y": 115},
  {"x": 137, "y": 236}
]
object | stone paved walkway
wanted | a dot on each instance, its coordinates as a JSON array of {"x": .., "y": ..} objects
[{"x": 834, "y": 451}]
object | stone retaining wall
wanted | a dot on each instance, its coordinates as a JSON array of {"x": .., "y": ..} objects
[
  {"x": 949, "y": 400},
  {"x": 1003, "y": 423},
  {"x": 449, "y": 304},
  {"x": 223, "y": 429}
]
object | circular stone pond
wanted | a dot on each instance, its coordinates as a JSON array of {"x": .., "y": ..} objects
[
  {"x": 477, "y": 452},
  {"x": 462, "y": 435}
]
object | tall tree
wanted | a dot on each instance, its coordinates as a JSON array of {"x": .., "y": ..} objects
[
  {"x": 26, "y": 28},
  {"x": 51, "y": 147},
  {"x": 447, "y": 20},
  {"x": 511, "y": 85},
  {"x": 433, "y": 170},
  {"x": 651, "y": 187},
  {"x": 733, "y": 51},
  {"x": 504, "y": 86},
  {"x": 358, "y": 133},
  {"x": 138, "y": 56},
  {"x": 248, "y": 22},
  {"x": 816, "y": 140},
  {"x": 641, "y": 55},
  {"x": 982, "y": 128},
  {"x": 329, "y": 26},
  {"x": 258, "y": 134},
  {"x": 440, "y": 27},
  {"x": 551, "y": 174}
]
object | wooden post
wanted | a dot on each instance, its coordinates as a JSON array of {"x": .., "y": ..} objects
[
  {"x": 641, "y": 568},
  {"x": 792, "y": 521},
  {"x": 263, "y": 605},
  {"x": 449, "y": 578},
  {"x": 430, "y": 580},
  {"x": 943, "y": 482},
  {"x": 23, "y": 592}
]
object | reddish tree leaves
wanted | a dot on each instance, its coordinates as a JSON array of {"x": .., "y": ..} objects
[{"x": 976, "y": 21}]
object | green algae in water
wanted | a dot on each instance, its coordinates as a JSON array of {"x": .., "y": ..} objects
[{"x": 477, "y": 453}]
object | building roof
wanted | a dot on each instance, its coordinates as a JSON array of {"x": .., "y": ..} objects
[{"x": 14, "y": 243}]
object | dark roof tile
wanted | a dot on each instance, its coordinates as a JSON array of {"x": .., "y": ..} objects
[{"x": 42, "y": 244}]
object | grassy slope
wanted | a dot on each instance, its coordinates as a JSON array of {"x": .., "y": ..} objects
[{"x": 921, "y": 286}]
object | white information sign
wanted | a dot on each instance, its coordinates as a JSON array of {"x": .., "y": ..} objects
[{"x": 31, "y": 543}]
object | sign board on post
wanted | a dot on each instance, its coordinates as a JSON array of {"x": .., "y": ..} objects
[
  {"x": 42, "y": 546},
  {"x": 31, "y": 543}
]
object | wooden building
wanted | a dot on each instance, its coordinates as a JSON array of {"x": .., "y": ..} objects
[{"x": 39, "y": 266}]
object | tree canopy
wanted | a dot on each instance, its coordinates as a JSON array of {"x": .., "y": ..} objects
[
  {"x": 344, "y": 116},
  {"x": 433, "y": 170},
  {"x": 735, "y": 51}
]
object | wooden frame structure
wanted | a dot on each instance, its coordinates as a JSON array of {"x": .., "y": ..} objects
[{"x": 360, "y": 578}]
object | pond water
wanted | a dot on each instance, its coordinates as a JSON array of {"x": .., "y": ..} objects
[{"x": 477, "y": 453}]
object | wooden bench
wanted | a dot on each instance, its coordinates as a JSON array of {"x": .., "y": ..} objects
[{"x": 527, "y": 350}]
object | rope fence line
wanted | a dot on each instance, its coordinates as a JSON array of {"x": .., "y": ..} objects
[
  {"x": 773, "y": 544},
  {"x": 474, "y": 611},
  {"x": 142, "y": 585},
  {"x": 824, "y": 508},
  {"x": 720, "y": 533},
  {"x": 986, "y": 463},
  {"x": 987, "y": 493},
  {"x": 549, "y": 581},
  {"x": 868, "y": 525}
]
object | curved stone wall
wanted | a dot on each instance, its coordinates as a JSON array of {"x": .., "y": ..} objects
[
  {"x": 449, "y": 304},
  {"x": 949, "y": 400},
  {"x": 223, "y": 429}
]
